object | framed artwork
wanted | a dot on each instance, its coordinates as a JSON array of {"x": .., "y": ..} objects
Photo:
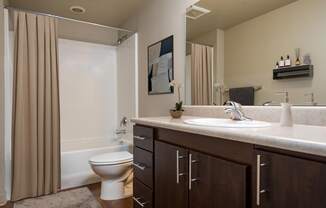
[{"x": 160, "y": 67}]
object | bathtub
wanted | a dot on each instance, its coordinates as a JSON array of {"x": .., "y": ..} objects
[{"x": 75, "y": 170}]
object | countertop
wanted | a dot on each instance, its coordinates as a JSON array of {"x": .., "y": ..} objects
[{"x": 299, "y": 138}]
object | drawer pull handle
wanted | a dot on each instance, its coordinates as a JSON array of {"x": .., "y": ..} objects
[
  {"x": 178, "y": 166},
  {"x": 137, "y": 200},
  {"x": 139, "y": 138},
  {"x": 258, "y": 188},
  {"x": 191, "y": 180},
  {"x": 139, "y": 166}
]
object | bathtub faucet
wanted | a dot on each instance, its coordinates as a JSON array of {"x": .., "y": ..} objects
[
  {"x": 120, "y": 131},
  {"x": 124, "y": 122}
]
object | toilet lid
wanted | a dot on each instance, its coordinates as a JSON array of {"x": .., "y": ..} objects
[{"x": 112, "y": 158}]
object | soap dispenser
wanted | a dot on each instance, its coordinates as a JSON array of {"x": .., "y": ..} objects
[{"x": 286, "y": 114}]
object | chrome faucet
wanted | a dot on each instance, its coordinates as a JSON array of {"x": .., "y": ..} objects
[{"x": 234, "y": 110}]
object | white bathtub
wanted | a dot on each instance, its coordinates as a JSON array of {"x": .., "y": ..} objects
[{"x": 75, "y": 170}]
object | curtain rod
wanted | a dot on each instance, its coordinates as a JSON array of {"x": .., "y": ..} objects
[
  {"x": 69, "y": 19},
  {"x": 188, "y": 42}
]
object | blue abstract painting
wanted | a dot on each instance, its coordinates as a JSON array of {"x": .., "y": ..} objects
[{"x": 160, "y": 67}]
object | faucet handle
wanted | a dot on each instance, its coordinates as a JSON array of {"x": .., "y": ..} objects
[
  {"x": 234, "y": 104},
  {"x": 286, "y": 94}
]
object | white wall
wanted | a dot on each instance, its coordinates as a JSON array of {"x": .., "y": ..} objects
[
  {"x": 88, "y": 90},
  {"x": 158, "y": 20},
  {"x": 252, "y": 49}
]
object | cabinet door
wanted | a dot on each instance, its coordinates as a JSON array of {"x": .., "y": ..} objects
[
  {"x": 290, "y": 182},
  {"x": 171, "y": 184},
  {"x": 216, "y": 183}
]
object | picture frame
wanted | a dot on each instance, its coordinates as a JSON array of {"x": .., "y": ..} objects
[{"x": 160, "y": 66}]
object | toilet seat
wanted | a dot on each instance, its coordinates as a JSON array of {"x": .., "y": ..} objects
[{"x": 113, "y": 158}]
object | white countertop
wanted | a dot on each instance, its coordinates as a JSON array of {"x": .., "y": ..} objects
[{"x": 299, "y": 138}]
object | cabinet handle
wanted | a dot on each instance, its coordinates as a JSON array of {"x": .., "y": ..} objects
[
  {"x": 178, "y": 166},
  {"x": 139, "y": 137},
  {"x": 258, "y": 188},
  {"x": 139, "y": 166},
  {"x": 137, "y": 200},
  {"x": 191, "y": 161}
]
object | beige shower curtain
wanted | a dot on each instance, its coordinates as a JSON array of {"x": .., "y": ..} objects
[
  {"x": 201, "y": 74},
  {"x": 36, "y": 129}
]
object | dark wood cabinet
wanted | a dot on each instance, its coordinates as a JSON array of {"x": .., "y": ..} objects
[
  {"x": 216, "y": 183},
  {"x": 171, "y": 176},
  {"x": 143, "y": 167},
  {"x": 185, "y": 178},
  {"x": 174, "y": 169},
  {"x": 143, "y": 196},
  {"x": 288, "y": 181}
]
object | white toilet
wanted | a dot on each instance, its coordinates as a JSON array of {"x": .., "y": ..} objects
[{"x": 115, "y": 170}]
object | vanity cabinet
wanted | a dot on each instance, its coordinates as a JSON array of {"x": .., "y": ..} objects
[
  {"x": 289, "y": 181},
  {"x": 143, "y": 167},
  {"x": 175, "y": 169},
  {"x": 171, "y": 176},
  {"x": 186, "y": 178}
]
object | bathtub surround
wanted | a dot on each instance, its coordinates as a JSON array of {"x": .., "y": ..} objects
[
  {"x": 88, "y": 90},
  {"x": 36, "y": 122}
]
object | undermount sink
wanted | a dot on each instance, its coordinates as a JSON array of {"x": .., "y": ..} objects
[{"x": 227, "y": 123}]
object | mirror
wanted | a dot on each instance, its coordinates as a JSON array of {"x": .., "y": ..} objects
[{"x": 234, "y": 51}]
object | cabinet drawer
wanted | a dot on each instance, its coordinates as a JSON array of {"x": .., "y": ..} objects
[
  {"x": 143, "y": 196},
  {"x": 143, "y": 166},
  {"x": 143, "y": 137}
]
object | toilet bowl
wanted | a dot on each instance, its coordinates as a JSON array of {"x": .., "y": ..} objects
[{"x": 115, "y": 170}]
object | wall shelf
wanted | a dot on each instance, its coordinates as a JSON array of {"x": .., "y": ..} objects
[{"x": 293, "y": 72}]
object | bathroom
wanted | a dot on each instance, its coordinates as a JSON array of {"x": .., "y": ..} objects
[{"x": 162, "y": 103}]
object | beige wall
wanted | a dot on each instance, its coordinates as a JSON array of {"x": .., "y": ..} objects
[
  {"x": 2, "y": 133},
  {"x": 252, "y": 49},
  {"x": 157, "y": 20}
]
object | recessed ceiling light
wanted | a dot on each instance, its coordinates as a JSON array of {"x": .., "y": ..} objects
[{"x": 77, "y": 9}]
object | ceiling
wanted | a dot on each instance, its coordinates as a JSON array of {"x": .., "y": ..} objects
[
  {"x": 106, "y": 12},
  {"x": 228, "y": 13}
]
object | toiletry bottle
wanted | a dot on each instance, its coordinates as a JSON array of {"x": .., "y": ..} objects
[
  {"x": 277, "y": 65},
  {"x": 281, "y": 62},
  {"x": 297, "y": 55},
  {"x": 288, "y": 61},
  {"x": 286, "y": 114}
]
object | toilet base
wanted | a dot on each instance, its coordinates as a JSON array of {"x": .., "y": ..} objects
[{"x": 113, "y": 190}]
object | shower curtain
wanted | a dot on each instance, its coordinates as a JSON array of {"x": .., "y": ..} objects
[
  {"x": 35, "y": 119},
  {"x": 201, "y": 74}
]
